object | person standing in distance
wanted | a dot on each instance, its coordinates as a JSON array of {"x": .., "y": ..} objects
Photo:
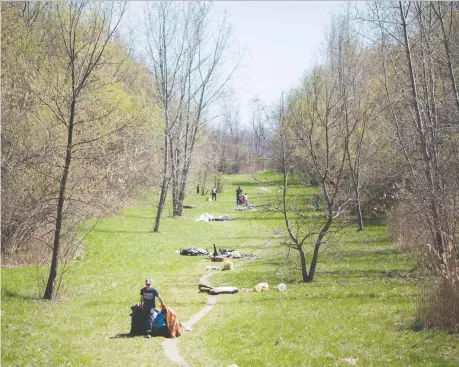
[
  {"x": 238, "y": 195},
  {"x": 148, "y": 296},
  {"x": 214, "y": 194}
]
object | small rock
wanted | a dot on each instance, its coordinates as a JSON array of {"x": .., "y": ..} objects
[
  {"x": 281, "y": 287},
  {"x": 260, "y": 287}
]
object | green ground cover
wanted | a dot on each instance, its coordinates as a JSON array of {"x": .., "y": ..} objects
[{"x": 364, "y": 286}]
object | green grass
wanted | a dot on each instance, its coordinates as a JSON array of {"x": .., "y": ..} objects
[{"x": 363, "y": 286}]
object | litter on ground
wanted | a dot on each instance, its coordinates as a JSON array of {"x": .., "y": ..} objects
[
  {"x": 281, "y": 287},
  {"x": 223, "y": 290},
  {"x": 216, "y": 256},
  {"x": 217, "y": 290},
  {"x": 260, "y": 287},
  {"x": 232, "y": 254},
  {"x": 210, "y": 218},
  {"x": 194, "y": 252}
]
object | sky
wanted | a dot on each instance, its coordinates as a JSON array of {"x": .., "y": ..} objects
[{"x": 280, "y": 39}]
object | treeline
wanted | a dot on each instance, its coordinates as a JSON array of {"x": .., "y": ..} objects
[
  {"x": 376, "y": 125},
  {"x": 78, "y": 126},
  {"x": 88, "y": 119}
]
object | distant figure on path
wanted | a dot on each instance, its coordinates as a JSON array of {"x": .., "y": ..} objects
[
  {"x": 317, "y": 203},
  {"x": 147, "y": 303},
  {"x": 238, "y": 195},
  {"x": 198, "y": 188},
  {"x": 214, "y": 194}
]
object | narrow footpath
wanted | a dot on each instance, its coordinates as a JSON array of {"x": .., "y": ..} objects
[{"x": 171, "y": 345}]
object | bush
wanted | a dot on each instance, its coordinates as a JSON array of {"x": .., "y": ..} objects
[{"x": 439, "y": 300}]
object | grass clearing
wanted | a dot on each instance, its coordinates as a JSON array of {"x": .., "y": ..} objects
[{"x": 363, "y": 287}]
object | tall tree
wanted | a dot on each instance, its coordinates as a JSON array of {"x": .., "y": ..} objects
[
  {"x": 186, "y": 58},
  {"x": 83, "y": 32},
  {"x": 410, "y": 80}
]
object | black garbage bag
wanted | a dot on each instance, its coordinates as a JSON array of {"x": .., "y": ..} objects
[{"x": 138, "y": 320}]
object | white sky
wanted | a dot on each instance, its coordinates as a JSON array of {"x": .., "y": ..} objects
[{"x": 281, "y": 40}]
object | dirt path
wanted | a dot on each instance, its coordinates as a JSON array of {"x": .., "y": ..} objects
[{"x": 171, "y": 345}]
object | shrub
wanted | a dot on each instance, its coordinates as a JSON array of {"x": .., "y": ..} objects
[{"x": 439, "y": 300}]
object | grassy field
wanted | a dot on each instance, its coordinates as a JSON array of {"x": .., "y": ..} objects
[{"x": 360, "y": 305}]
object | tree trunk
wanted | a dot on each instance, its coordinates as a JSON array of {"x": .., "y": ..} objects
[
  {"x": 162, "y": 200},
  {"x": 182, "y": 188},
  {"x": 315, "y": 256},
  {"x": 359, "y": 213},
  {"x": 164, "y": 186},
  {"x": 304, "y": 270},
  {"x": 448, "y": 55},
  {"x": 175, "y": 178},
  {"x": 189, "y": 148},
  {"x": 438, "y": 239},
  {"x": 203, "y": 187},
  {"x": 358, "y": 206},
  {"x": 60, "y": 206}
]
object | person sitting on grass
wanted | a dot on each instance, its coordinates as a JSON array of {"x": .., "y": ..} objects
[
  {"x": 147, "y": 303},
  {"x": 244, "y": 199}
]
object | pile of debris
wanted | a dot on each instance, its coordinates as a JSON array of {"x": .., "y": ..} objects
[
  {"x": 216, "y": 256},
  {"x": 218, "y": 290},
  {"x": 221, "y": 254},
  {"x": 210, "y": 218},
  {"x": 262, "y": 287},
  {"x": 194, "y": 252}
]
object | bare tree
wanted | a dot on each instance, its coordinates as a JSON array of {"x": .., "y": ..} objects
[
  {"x": 309, "y": 124},
  {"x": 419, "y": 132},
  {"x": 419, "y": 73},
  {"x": 83, "y": 32},
  {"x": 187, "y": 59}
]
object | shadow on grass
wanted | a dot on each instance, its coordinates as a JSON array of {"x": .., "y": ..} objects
[
  {"x": 8, "y": 293},
  {"x": 260, "y": 182},
  {"x": 351, "y": 296},
  {"x": 129, "y": 336},
  {"x": 120, "y": 231},
  {"x": 361, "y": 273},
  {"x": 363, "y": 253},
  {"x": 124, "y": 336}
]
